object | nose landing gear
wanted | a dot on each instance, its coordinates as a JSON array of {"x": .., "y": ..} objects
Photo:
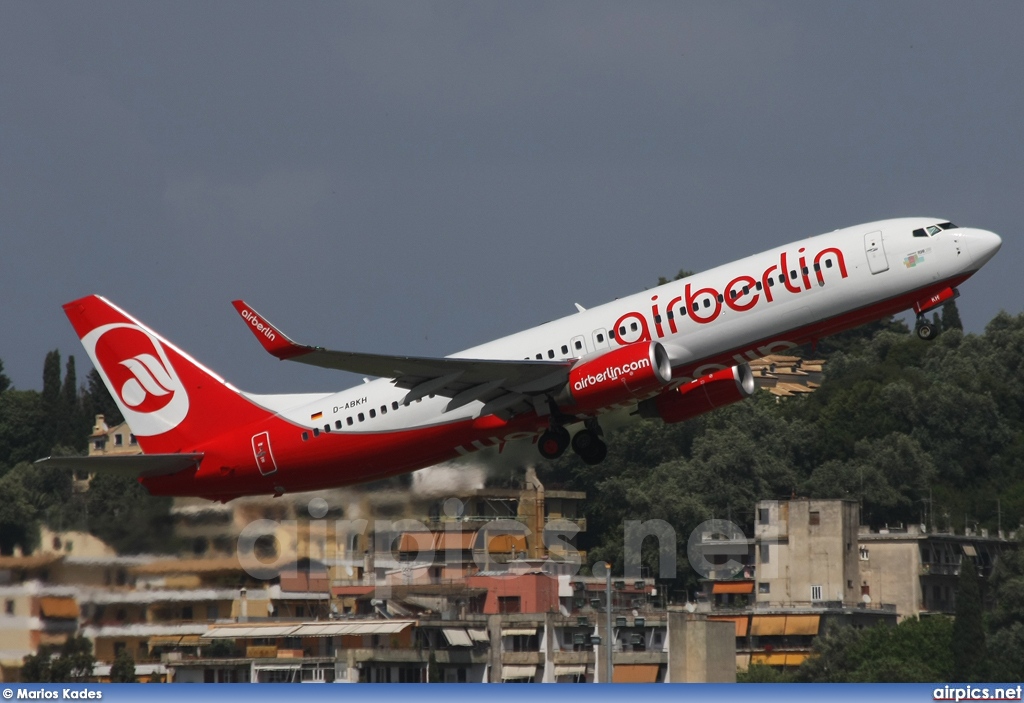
[
  {"x": 588, "y": 444},
  {"x": 925, "y": 329}
]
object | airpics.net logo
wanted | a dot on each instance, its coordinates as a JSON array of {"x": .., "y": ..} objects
[
  {"x": 258, "y": 325},
  {"x": 610, "y": 374},
  {"x": 135, "y": 367}
]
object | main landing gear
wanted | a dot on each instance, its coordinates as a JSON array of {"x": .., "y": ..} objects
[{"x": 587, "y": 443}]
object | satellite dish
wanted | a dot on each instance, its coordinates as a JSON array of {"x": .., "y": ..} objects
[
  {"x": 635, "y": 612},
  {"x": 690, "y": 607},
  {"x": 865, "y": 599}
]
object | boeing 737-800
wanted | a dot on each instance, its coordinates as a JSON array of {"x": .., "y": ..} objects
[{"x": 671, "y": 353}]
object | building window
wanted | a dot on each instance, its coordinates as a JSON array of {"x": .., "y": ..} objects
[
  {"x": 9, "y": 606},
  {"x": 815, "y": 592},
  {"x": 764, "y": 588},
  {"x": 815, "y": 517},
  {"x": 118, "y": 440},
  {"x": 186, "y": 612},
  {"x": 763, "y": 515},
  {"x": 765, "y": 553},
  {"x": 863, "y": 553},
  {"x": 508, "y": 604}
]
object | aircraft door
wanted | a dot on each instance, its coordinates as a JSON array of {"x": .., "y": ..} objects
[
  {"x": 875, "y": 249},
  {"x": 264, "y": 457},
  {"x": 578, "y": 346}
]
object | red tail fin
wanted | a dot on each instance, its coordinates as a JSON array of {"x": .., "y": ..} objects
[{"x": 171, "y": 402}]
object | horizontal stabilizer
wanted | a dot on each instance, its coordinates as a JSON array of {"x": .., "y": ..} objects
[{"x": 141, "y": 465}]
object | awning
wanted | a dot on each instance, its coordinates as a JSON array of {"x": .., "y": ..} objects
[
  {"x": 732, "y": 587},
  {"x": 336, "y": 629},
  {"x": 479, "y": 636},
  {"x": 173, "y": 640},
  {"x": 416, "y": 542},
  {"x": 503, "y": 544},
  {"x": 779, "y": 658},
  {"x": 509, "y": 632},
  {"x": 635, "y": 673},
  {"x": 331, "y": 629},
  {"x": 802, "y": 624},
  {"x": 768, "y": 625},
  {"x": 969, "y": 550},
  {"x": 742, "y": 622},
  {"x": 570, "y": 670},
  {"x": 456, "y": 637},
  {"x": 60, "y": 608},
  {"x": 517, "y": 672}
]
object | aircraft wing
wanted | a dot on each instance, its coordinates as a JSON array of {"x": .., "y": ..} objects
[
  {"x": 504, "y": 386},
  {"x": 135, "y": 465}
]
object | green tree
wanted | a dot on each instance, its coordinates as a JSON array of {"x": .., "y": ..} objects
[
  {"x": 5, "y": 382},
  {"x": 23, "y": 433},
  {"x": 682, "y": 273},
  {"x": 951, "y": 316},
  {"x": 968, "y": 645},
  {"x": 123, "y": 668},
  {"x": 70, "y": 663},
  {"x": 98, "y": 401},
  {"x": 19, "y": 515}
]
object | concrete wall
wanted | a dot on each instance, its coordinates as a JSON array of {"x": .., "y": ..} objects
[{"x": 699, "y": 650}]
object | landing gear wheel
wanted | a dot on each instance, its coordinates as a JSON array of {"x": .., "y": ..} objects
[
  {"x": 926, "y": 331},
  {"x": 589, "y": 447},
  {"x": 553, "y": 443}
]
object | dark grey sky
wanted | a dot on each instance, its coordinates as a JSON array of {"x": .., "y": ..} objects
[{"x": 418, "y": 177}]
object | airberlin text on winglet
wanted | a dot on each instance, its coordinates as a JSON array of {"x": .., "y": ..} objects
[{"x": 258, "y": 325}]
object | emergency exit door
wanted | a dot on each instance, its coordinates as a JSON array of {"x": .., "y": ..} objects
[{"x": 875, "y": 250}]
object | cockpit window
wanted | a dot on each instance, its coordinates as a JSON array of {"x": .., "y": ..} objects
[
  {"x": 947, "y": 225},
  {"x": 932, "y": 230},
  {"x": 920, "y": 233}
]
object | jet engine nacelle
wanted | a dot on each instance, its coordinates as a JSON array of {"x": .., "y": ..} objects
[
  {"x": 619, "y": 376},
  {"x": 700, "y": 395}
]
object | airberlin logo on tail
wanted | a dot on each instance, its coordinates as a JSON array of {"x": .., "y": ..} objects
[
  {"x": 258, "y": 325},
  {"x": 134, "y": 366}
]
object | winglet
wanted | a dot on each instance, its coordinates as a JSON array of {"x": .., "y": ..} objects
[{"x": 273, "y": 340}]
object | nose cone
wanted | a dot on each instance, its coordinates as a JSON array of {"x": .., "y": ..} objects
[{"x": 983, "y": 244}]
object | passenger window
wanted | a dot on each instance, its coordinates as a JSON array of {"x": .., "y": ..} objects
[
  {"x": 327, "y": 428},
  {"x": 720, "y": 298},
  {"x": 551, "y": 353},
  {"x": 746, "y": 290},
  {"x": 337, "y": 424},
  {"x": 758, "y": 285},
  {"x": 771, "y": 282},
  {"x": 383, "y": 410},
  {"x": 565, "y": 348},
  {"x": 394, "y": 405},
  {"x": 362, "y": 418},
  {"x": 696, "y": 307},
  {"x": 600, "y": 337},
  {"x": 316, "y": 431},
  {"x": 540, "y": 356},
  {"x": 782, "y": 278},
  {"x": 305, "y": 436},
  {"x": 828, "y": 263},
  {"x": 792, "y": 274},
  {"x": 657, "y": 319},
  {"x": 622, "y": 331},
  {"x": 579, "y": 345},
  {"x": 633, "y": 326},
  {"x": 707, "y": 303},
  {"x": 817, "y": 267},
  {"x": 373, "y": 413},
  {"x": 804, "y": 270},
  {"x": 348, "y": 420}
]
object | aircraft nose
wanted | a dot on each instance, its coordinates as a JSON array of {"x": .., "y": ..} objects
[{"x": 983, "y": 245}]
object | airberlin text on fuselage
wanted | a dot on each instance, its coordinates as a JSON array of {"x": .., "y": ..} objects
[
  {"x": 742, "y": 293},
  {"x": 265, "y": 330}
]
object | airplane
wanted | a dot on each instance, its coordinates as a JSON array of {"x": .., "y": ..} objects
[{"x": 671, "y": 353}]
